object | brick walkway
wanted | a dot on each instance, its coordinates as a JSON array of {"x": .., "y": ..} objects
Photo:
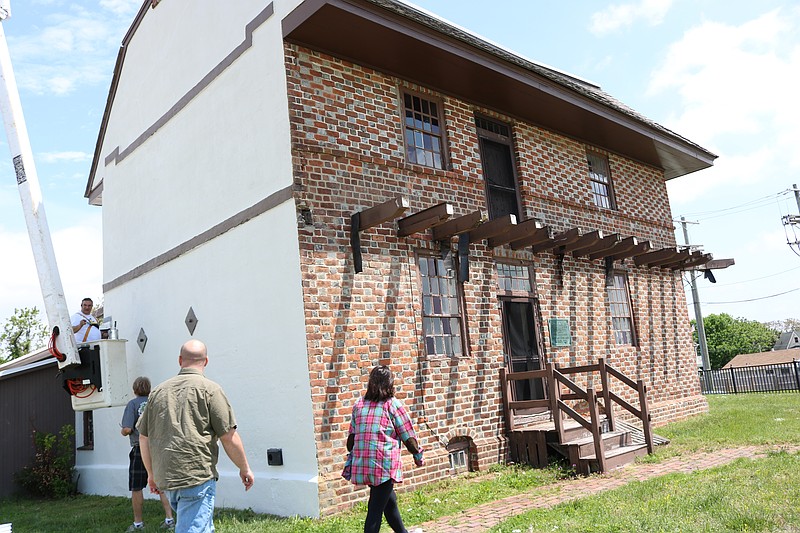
[{"x": 485, "y": 516}]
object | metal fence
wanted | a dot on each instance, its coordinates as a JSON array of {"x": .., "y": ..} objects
[{"x": 763, "y": 378}]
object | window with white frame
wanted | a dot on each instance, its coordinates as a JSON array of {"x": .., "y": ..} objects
[
  {"x": 514, "y": 278},
  {"x": 620, "y": 307},
  {"x": 600, "y": 179},
  {"x": 441, "y": 309},
  {"x": 424, "y": 133}
]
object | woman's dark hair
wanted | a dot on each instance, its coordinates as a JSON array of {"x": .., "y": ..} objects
[{"x": 381, "y": 384}]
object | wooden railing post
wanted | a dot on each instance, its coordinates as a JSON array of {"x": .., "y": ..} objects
[
  {"x": 505, "y": 385},
  {"x": 646, "y": 429},
  {"x": 606, "y": 395},
  {"x": 599, "y": 451},
  {"x": 555, "y": 399}
]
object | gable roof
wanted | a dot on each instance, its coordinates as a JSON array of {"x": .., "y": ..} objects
[
  {"x": 786, "y": 340},
  {"x": 460, "y": 63},
  {"x": 764, "y": 358}
]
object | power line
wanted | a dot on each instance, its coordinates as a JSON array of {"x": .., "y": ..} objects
[
  {"x": 763, "y": 200},
  {"x": 714, "y": 286},
  {"x": 753, "y": 299}
]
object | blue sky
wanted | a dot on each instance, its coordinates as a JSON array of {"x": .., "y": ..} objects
[{"x": 722, "y": 73}]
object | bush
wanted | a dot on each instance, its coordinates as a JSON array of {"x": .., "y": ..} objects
[{"x": 52, "y": 474}]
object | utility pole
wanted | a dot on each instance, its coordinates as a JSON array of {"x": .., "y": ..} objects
[
  {"x": 793, "y": 220},
  {"x": 698, "y": 313}
]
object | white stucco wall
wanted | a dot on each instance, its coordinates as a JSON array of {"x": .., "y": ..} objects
[{"x": 222, "y": 152}]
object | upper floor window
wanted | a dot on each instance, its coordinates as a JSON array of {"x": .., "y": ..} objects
[
  {"x": 497, "y": 159},
  {"x": 441, "y": 309},
  {"x": 513, "y": 278},
  {"x": 620, "y": 306},
  {"x": 600, "y": 178},
  {"x": 423, "y": 131}
]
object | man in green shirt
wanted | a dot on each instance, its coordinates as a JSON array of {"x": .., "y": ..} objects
[{"x": 178, "y": 433}]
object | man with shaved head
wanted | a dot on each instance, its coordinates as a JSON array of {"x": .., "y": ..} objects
[{"x": 178, "y": 433}]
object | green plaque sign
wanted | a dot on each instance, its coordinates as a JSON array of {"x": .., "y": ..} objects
[{"x": 559, "y": 332}]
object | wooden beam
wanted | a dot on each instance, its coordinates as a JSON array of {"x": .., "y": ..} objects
[
  {"x": 540, "y": 235},
  {"x": 679, "y": 257},
  {"x": 679, "y": 261},
  {"x": 523, "y": 229},
  {"x": 716, "y": 264},
  {"x": 604, "y": 243},
  {"x": 562, "y": 239},
  {"x": 651, "y": 258},
  {"x": 637, "y": 249},
  {"x": 458, "y": 225},
  {"x": 381, "y": 213},
  {"x": 493, "y": 228},
  {"x": 621, "y": 245},
  {"x": 588, "y": 240},
  {"x": 427, "y": 218},
  {"x": 694, "y": 262}
]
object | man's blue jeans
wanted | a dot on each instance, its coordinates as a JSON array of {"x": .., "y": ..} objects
[{"x": 194, "y": 507}]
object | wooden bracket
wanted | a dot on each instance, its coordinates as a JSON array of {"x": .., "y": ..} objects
[
  {"x": 458, "y": 225},
  {"x": 620, "y": 246},
  {"x": 427, "y": 218},
  {"x": 369, "y": 218},
  {"x": 604, "y": 244},
  {"x": 562, "y": 239},
  {"x": 517, "y": 232},
  {"x": 585, "y": 241},
  {"x": 664, "y": 255},
  {"x": 493, "y": 228},
  {"x": 463, "y": 257}
]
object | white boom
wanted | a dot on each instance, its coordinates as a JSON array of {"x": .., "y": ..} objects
[{"x": 31, "y": 195}]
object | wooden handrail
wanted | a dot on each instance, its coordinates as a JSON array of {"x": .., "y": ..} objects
[
  {"x": 620, "y": 376},
  {"x": 555, "y": 377}
]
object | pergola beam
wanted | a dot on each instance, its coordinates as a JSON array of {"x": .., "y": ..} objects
[
  {"x": 493, "y": 228},
  {"x": 458, "y": 225},
  {"x": 520, "y": 231},
  {"x": 427, "y": 218}
]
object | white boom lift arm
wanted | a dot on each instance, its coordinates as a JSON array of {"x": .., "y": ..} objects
[{"x": 62, "y": 343}]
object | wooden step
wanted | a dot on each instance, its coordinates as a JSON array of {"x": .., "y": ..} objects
[
  {"x": 584, "y": 447},
  {"x": 614, "y": 458}
]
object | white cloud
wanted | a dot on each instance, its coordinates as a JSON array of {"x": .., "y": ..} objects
[
  {"x": 70, "y": 49},
  {"x": 71, "y": 157},
  {"x": 738, "y": 86},
  {"x": 78, "y": 252},
  {"x": 121, "y": 7},
  {"x": 620, "y": 16}
]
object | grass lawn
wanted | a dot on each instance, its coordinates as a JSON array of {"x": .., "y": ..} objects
[{"x": 759, "y": 495}]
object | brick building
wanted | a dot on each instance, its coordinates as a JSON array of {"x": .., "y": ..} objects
[{"x": 367, "y": 184}]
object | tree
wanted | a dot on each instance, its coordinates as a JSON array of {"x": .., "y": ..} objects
[
  {"x": 728, "y": 337},
  {"x": 22, "y": 333},
  {"x": 787, "y": 324}
]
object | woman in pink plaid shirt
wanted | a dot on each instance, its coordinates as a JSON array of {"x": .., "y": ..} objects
[{"x": 378, "y": 425}]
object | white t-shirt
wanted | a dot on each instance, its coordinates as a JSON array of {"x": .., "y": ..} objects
[{"x": 94, "y": 331}]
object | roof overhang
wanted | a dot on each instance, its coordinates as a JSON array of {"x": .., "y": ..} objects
[{"x": 397, "y": 39}]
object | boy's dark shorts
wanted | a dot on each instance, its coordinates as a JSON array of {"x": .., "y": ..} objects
[{"x": 137, "y": 474}]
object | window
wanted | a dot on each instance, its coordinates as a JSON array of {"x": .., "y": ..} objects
[
  {"x": 621, "y": 317},
  {"x": 513, "y": 278},
  {"x": 601, "y": 180},
  {"x": 497, "y": 159},
  {"x": 441, "y": 313},
  {"x": 459, "y": 450},
  {"x": 423, "y": 131}
]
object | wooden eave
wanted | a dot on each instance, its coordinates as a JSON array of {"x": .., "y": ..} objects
[{"x": 398, "y": 39}]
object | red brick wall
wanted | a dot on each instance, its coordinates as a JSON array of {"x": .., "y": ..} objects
[{"x": 348, "y": 155}]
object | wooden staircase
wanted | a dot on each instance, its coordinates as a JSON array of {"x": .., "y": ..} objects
[{"x": 591, "y": 440}]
